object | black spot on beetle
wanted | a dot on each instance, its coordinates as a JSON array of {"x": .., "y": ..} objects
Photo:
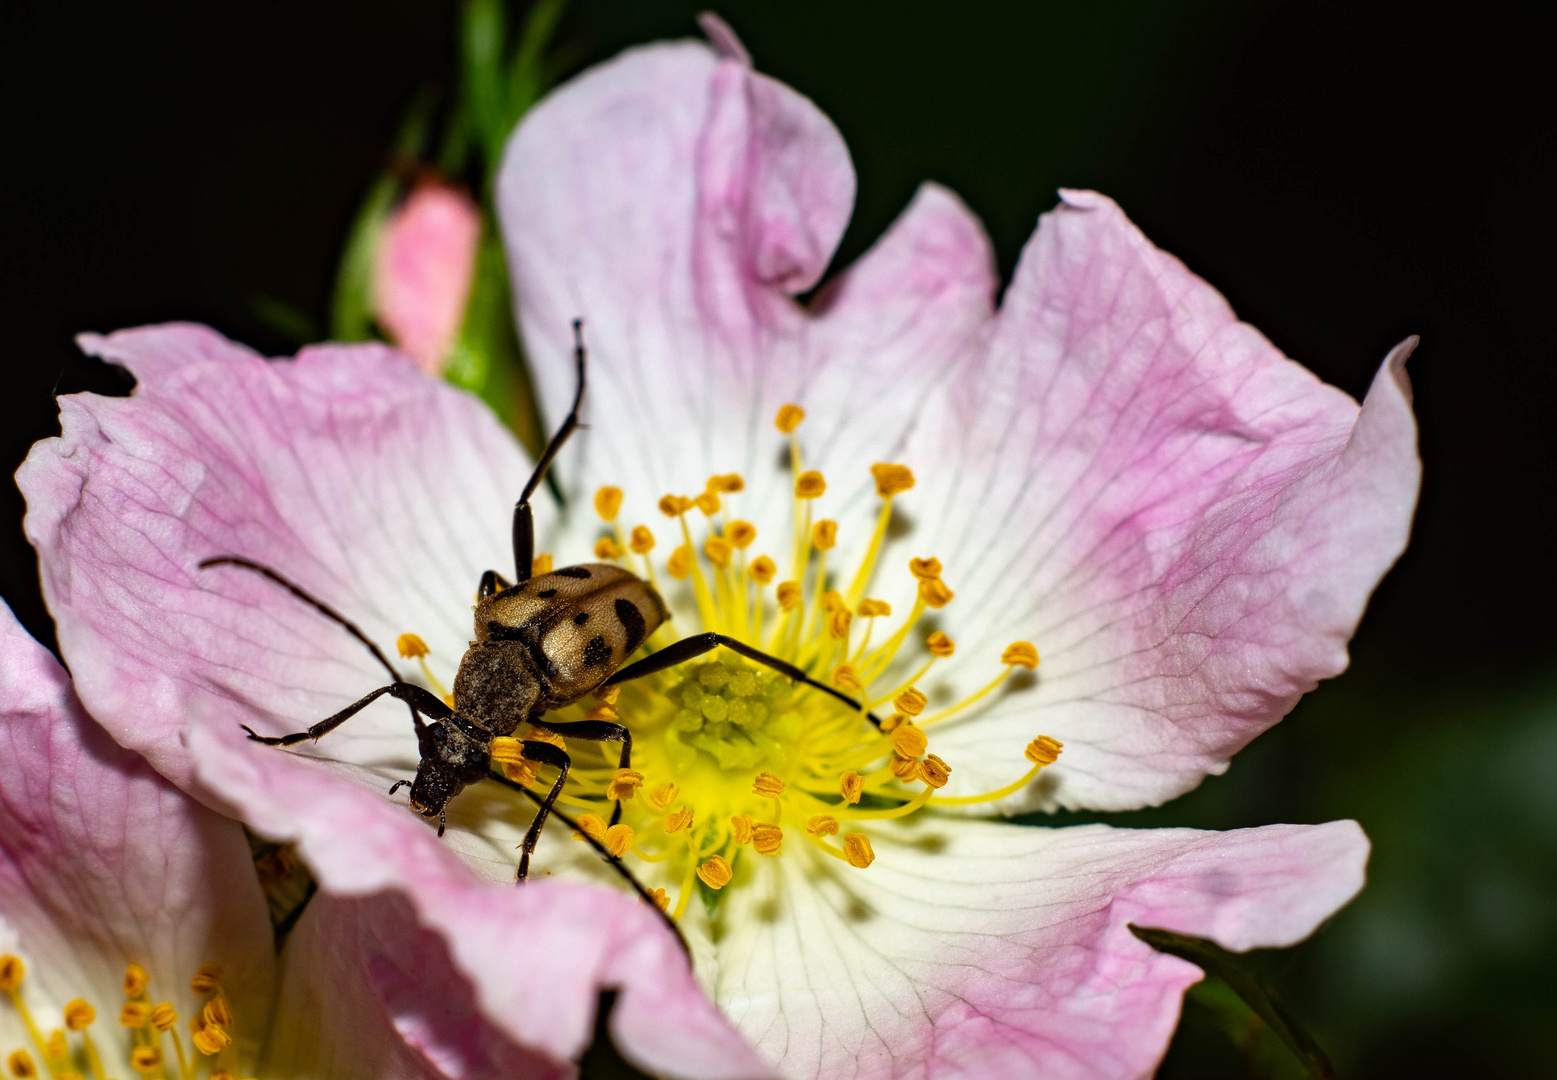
[
  {"x": 546, "y": 594},
  {"x": 581, "y": 618},
  {"x": 632, "y": 621},
  {"x": 596, "y": 652},
  {"x": 573, "y": 572}
]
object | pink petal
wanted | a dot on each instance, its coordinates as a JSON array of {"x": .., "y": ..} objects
[
  {"x": 674, "y": 202},
  {"x": 424, "y": 265},
  {"x": 104, "y": 864},
  {"x": 536, "y": 957},
  {"x": 1186, "y": 524},
  {"x": 384, "y": 492},
  {"x": 979, "y": 949}
]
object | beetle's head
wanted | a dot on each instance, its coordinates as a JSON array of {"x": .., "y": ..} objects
[{"x": 451, "y": 759}]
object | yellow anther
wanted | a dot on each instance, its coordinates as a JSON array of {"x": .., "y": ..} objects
[
  {"x": 603, "y": 714},
  {"x": 212, "y": 1040},
  {"x": 925, "y": 569},
  {"x": 163, "y": 1016},
  {"x": 608, "y": 500},
  {"x": 851, "y": 787},
  {"x": 870, "y": 609},
  {"x": 680, "y": 563},
  {"x": 838, "y": 623},
  {"x": 662, "y": 796},
  {"x": 549, "y": 737},
  {"x": 904, "y": 768},
  {"x": 715, "y": 873},
  {"x": 520, "y": 772},
  {"x": 135, "y": 1014},
  {"x": 541, "y": 564},
  {"x": 206, "y": 979},
  {"x": 12, "y": 971},
  {"x": 148, "y": 1059},
  {"x": 661, "y": 900},
  {"x": 892, "y": 723},
  {"x": 857, "y": 849},
  {"x": 21, "y": 1064},
  {"x": 675, "y": 505},
  {"x": 607, "y": 695},
  {"x": 910, "y": 702},
  {"x": 767, "y": 785},
  {"x": 789, "y": 417},
  {"x": 78, "y": 1014},
  {"x": 934, "y": 771},
  {"x": 891, "y": 479},
  {"x": 718, "y": 550},
  {"x": 641, "y": 541},
  {"x": 940, "y": 645},
  {"x": 624, "y": 784},
  {"x": 910, "y": 741},
  {"x": 411, "y": 647},
  {"x": 741, "y": 825},
  {"x": 788, "y": 595},
  {"x": 726, "y": 482},
  {"x": 56, "y": 1048},
  {"x": 1022, "y": 654},
  {"x": 822, "y": 825},
  {"x": 810, "y": 485},
  {"x": 135, "y": 980},
  {"x": 678, "y": 820},
  {"x": 934, "y": 593},
  {"x": 740, "y": 533},
  {"x": 846, "y": 678},
  {"x": 832, "y": 600},
  {"x": 619, "y": 839},
  {"x": 708, "y": 502},
  {"x": 608, "y": 549},
  {"x": 762, "y": 570},
  {"x": 216, "y": 1012},
  {"x": 507, "y": 750},
  {"x": 824, "y": 535},
  {"x": 1043, "y": 750},
  {"x": 767, "y": 839},
  {"x": 590, "y": 826}
]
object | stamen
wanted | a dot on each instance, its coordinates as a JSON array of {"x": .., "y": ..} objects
[
  {"x": 12, "y": 971},
  {"x": 78, "y": 1014},
  {"x": 538, "y": 734},
  {"x": 939, "y": 645},
  {"x": 541, "y": 564},
  {"x": 661, "y": 901},
  {"x": 838, "y": 624},
  {"x": 1022, "y": 654},
  {"x": 590, "y": 827},
  {"x": 708, "y": 502},
  {"x": 675, "y": 505},
  {"x": 726, "y": 482},
  {"x": 21, "y": 1065},
  {"x": 742, "y": 825},
  {"x": 680, "y": 563},
  {"x": 789, "y": 417},
  {"x": 788, "y": 595},
  {"x": 767, "y": 839},
  {"x": 135, "y": 1014},
  {"x": 624, "y": 784},
  {"x": 679, "y": 820},
  {"x": 411, "y": 647},
  {"x": 857, "y": 849},
  {"x": 870, "y": 609},
  {"x": 892, "y": 723},
  {"x": 1043, "y": 750},
  {"x": 822, "y": 825},
  {"x": 909, "y": 741},
  {"x": 851, "y": 787},
  {"x": 135, "y": 980},
  {"x": 935, "y": 593},
  {"x": 904, "y": 768},
  {"x": 740, "y": 533},
  {"x": 715, "y": 873},
  {"x": 910, "y": 702},
  {"x": 762, "y": 570},
  {"x": 642, "y": 541},
  {"x": 163, "y": 1016},
  {"x": 718, "y": 550},
  {"x": 846, "y": 678},
  {"x": 618, "y": 839},
  {"x": 662, "y": 796},
  {"x": 934, "y": 771},
  {"x": 767, "y": 786},
  {"x": 608, "y": 549},
  {"x": 824, "y": 535},
  {"x": 891, "y": 479},
  {"x": 148, "y": 1059},
  {"x": 608, "y": 500},
  {"x": 211, "y": 1040},
  {"x": 810, "y": 485},
  {"x": 925, "y": 569},
  {"x": 216, "y": 1012}
]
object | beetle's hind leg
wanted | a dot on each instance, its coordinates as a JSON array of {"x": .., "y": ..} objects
[{"x": 599, "y": 731}]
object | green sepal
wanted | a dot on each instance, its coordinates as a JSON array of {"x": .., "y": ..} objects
[{"x": 1260, "y": 1001}]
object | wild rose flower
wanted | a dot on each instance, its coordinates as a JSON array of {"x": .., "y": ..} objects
[
  {"x": 1109, "y": 534},
  {"x": 423, "y": 269}
]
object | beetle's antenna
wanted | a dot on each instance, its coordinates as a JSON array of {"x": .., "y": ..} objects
[
  {"x": 308, "y": 598},
  {"x": 611, "y": 860}
]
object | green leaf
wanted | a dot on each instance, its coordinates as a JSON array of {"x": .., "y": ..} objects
[
  {"x": 1260, "y": 998},
  {"x": 351, "y": 308},
  {"x": 284, "y": 317},
  {"x": 483, "y": 36}
]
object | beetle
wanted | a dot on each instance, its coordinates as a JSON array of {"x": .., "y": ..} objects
[{"x": 541, "y": 643}]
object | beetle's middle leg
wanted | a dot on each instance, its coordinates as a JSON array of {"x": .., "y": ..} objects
[{"x": 599, "y": 731}]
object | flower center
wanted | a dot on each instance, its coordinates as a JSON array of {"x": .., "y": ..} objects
[
  {"x": 69, "y": 1053},
  {"x": 733, "y": 761}
]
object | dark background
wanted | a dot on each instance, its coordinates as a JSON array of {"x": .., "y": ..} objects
[{"x": 1346, "y": 174}]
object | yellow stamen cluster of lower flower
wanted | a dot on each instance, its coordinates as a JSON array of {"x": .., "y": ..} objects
[
  {"x": 210, "y": 1031},
  {"x": 730, "y": 756}
]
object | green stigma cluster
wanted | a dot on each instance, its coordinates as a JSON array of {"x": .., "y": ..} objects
[{"x": 740, "y": 717}]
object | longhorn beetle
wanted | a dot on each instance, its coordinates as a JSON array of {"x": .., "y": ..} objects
[{"x": 541, "y": 643}]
